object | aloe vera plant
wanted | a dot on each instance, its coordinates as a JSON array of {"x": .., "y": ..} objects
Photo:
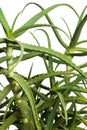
[{"x": 26, "y": 102}]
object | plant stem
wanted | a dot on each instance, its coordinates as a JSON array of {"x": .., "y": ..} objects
[
  {"x": 10, "y": 61},
  {"x": 10, "y": 64},
  {"x": 68, "y": 69}
]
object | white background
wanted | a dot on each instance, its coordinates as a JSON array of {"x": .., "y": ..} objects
[{"x": 12, "y": 7}]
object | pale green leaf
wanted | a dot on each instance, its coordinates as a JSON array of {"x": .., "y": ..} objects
[
  {"x": 35, "y": 39},
  {"x": 70, "y": 35}
]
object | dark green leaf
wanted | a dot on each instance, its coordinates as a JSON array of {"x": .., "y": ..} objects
[{"x": 9, "y": 121}]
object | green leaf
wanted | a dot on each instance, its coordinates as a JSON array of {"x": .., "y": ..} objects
[
  {"x": 17, "y": 60},
  {"x": 70, "y": 35},
  {"x": 4, "y": 93},
  {"x": 81, "y": 119},
  {"x": 35, "y": 39},
  {"x": 51, "y": 117},
  {"x": 78, "y": 28},
  {"x": 35, "y": 18},
  {"x": 14, "y": 22},
  {"x": 64, "y": 106},
  {"x": 9, "y": 121},
  {"x": 81, "y": 97},
  {"x": 51, "y": 23},
  {"x": 64, "y": 58},
  {"x": 30, "y": 71},
  {"x": 4, "y": 23},
  {"x": 41, "y": 77},
  {"x": 80, "y": 49},
  {"x": 49, "y": 67},
  {"x": 28, "y": 55},
  {"x": 56, "y": 54},
  {"x": 80, "y": 42},
  {"x": 77, "y": 32},
  {"x": 3, "y": 71},
  {"x": 26, "y": 114},
  {"x": 82, "y": 14},
  {"x": 5, "y": 58},
  {"x": 74, "y": 89},
  {"x": 41, "y": 95},
  {"x": 46, "y": 104},
  {"x": 8, "y": 106},
  {"x": 26, "y": 88}
]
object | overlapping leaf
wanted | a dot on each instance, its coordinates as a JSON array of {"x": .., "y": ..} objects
[{"x": 26, "y": 88}]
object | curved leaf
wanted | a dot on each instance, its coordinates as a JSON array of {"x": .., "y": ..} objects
[
  {"x": 41, "y": 77},
  {"x": 35, "y": 18},
  {"x": 35, "y": 39},
  {"x": 17, "y": 60},
  {"x": 56, "y": 54},
  {"x": 51, "y": 23},
  {"x": 26, "y": 88},
  {"x": 70, "y": 35}
]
